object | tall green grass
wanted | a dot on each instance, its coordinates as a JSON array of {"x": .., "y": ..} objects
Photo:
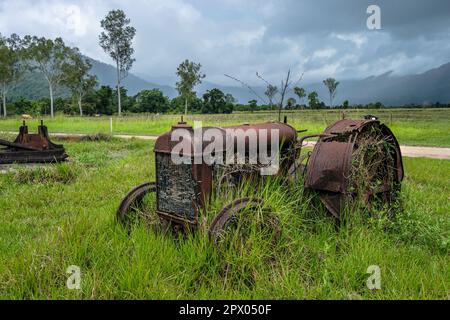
[{"x": 49, "y": 225}]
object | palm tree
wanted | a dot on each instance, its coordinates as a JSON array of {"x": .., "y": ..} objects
[{"x": 332, "y": 85}]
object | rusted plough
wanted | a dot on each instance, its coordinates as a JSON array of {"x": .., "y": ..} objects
[{"x": 31, "y": 148}]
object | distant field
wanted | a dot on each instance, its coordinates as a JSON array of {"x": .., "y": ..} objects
[
  {"x": 427, "y": 127},
  {"x": 65, "y": 215}
]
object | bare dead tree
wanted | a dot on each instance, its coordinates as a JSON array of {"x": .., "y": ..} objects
[
  {"x": 247, "y": 86},
  {"x": 286, "y": 87}
]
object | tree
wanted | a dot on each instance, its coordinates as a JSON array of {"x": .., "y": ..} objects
[
  {"x": 190, "y": 75},
  {"x": 23, "y": 106},
  {"x": 300, "y": 93},
  {"x": 230, "y": 103},
  {"x": 332, "y": 85},
  {"x": 270, "y": 93},
  {"x": 285, "y": 85},
  {"x": 51, "y": 58},
  {"x": 284, "y": 88},
  {"x": 313, "y": 101},
  {"x": 117, "y": 40},
  {"x": 11, "y": 65},
  {"x": 214, "y": 101},
  {"x": 230, "y": 99},
  {"x": 103, "y": 100},
  {"x": 152, "y": 101},
  {"x": 127, "y": 102},
  {"x": 378, "y": 105},
  {"x": 345, "y": 104},
  {"x": 253, "y": 104},
  {"x": 78, "y": 79},
  {"x": 178, "y": 105},
  {"x": 291, "y": 103}
]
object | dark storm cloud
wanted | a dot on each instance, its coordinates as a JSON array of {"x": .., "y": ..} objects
[
  {"x": 400, "y": 18},
  {"x": 319, "y": 37}
]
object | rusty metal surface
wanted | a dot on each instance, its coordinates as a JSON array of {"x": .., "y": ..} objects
[
  {"x": 287, "y": 135},
  {"x": 333, "y": 202},
  {"x": 17, "y": 146},
  {"x": 184, "y": 190},
  {"x": 348, "y": 126},
  {"x": 329, "y": 167},
  {"x": 31, "y": 148},
  {"x": 177, "y": 189}
]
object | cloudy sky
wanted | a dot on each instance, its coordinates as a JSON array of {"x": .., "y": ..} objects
[{"x": 319, "y": 38}]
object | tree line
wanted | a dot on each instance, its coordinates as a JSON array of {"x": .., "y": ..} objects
[
  {"x": 103, "y": 101},
  {"x": 62, "y": 65},
  {"x": 58, "y": 63}
]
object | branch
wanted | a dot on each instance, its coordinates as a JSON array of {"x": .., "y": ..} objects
[
  {"x": 269, "y": 84},
  {"x": 247, "y": 86},
  {"x": 299, "y": 80}
]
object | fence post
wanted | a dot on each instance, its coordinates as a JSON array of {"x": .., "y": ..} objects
[{"x": 111, "y": 126}]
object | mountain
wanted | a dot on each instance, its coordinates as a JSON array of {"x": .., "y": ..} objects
[
  {"x": 107, "y": 75},
  {"x": 428, "y": 87},
  {"x": 34, "y": 86},
  {"x": 425, "y": 88}
]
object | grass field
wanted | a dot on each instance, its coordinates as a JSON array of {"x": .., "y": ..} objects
[
  {"x": 427, "y": 127},
  {"x": 64, "y": 215}
]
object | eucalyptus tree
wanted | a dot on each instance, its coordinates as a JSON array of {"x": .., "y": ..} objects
[
  {"x": 50, "y": 58},
  {"x": 270, "y": 93},
  {"x": 117, "y": 41},
  {"x": 12, "y": 65},
  {"x": 300, "y": 93},
  {"x": 331, "y": 85},
  {"x": 291, "y": 102},
  {"x": 78, "y": 79},
  {"x": 190, "y": 75}
]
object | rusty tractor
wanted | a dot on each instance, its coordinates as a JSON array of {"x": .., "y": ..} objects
[
  {"x": 31, "y": 148},
  {"x": 345, "y": 150}
]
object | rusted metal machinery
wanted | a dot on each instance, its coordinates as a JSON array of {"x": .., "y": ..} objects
[
  {"x": 181, "y": 192},
  {"x": 355, "y": 158},
  {"x": 31, "y": 148}
]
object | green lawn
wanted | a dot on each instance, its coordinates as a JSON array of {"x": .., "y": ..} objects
[
  {"x": 428, "y": 127},
  {"x": 65, "y": 215}
]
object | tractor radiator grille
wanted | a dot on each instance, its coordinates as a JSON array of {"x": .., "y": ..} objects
[{"x": 176, "y": 187}]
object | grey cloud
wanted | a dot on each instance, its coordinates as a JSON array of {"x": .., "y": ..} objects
[
  {"x": 242, "y": 37},
  {"x": 403, "y": 18}
]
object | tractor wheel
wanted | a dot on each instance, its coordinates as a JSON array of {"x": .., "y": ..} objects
[
  {"x": 356, "y": 164},
  {"x": 139, "y": 206},
  {"x": 242, "y": 221}
]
